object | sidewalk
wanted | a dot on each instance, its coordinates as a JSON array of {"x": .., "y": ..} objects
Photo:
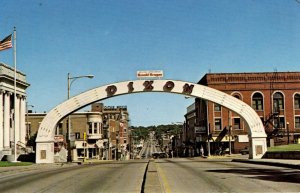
[
  {"x": 294, "y": 164},
  {"x": 35, "y": 167},
  {"x": 288, "y": 163}
]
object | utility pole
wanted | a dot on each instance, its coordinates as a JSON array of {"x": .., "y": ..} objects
[
  {"x": 288, "y": 132},
  {"x": 229, "y": 130},
  {"x": 208, "y": 127}
]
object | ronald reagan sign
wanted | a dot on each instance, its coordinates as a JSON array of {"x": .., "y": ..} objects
[{"x": 150, "y": 74}]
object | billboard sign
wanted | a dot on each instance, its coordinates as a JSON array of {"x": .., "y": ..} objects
[
  {"x": 200, "y": 129},
  {"x": 150, "y": 74}
]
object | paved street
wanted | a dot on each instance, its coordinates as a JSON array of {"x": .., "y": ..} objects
[
  {"x": 96, "y": 177},
  {"x": 163, "y": 175},
  {"x": 221, "y": 175}
]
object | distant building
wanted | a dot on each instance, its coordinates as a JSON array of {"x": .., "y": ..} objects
[
  {"x": 116, "y": 124},
  {"x": 275, "y": 96},
  {"x": 94, "y": 134},
  {"x": 8, "y": 114}
]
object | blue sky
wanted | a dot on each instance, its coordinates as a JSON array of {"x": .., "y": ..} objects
[{"x": 113, "y": 39}]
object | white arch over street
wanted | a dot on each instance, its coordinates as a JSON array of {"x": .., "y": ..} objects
[{"x": 45, "y": 137}]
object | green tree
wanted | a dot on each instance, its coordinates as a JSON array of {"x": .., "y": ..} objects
[{"x": 31, "y": 141}]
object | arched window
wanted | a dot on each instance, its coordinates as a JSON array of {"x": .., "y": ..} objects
[
  {"x": 237, "y": 95},
  {"x": 257, "y": 102},
  {"x": 278, "y": 102},
  {"x": 297, "y": 101}
]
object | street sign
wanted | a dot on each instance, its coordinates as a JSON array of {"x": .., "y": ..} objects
[
  {"x": 150, "y": 74},
  {"x": 6, "y": 152},
  {"x": 84, "y": 136},
  {"x": 99, "y": 143}
]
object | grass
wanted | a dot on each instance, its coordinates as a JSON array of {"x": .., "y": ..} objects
[
  {"x": 291, "y": 147},
  {"x": 8, "y": 164}
]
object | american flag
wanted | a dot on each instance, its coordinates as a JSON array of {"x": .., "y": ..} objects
[{"x": 6, "y": 43}]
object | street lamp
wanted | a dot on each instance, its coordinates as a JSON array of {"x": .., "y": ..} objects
[
  {"x": 70, "y": 81},
  {"x": 177, "y": 137},
  {"x": 27, "y": 124}
]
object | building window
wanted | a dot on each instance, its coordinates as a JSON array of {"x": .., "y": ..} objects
[
  {"x": 297, "y": 101},
  {"x": 237, "y": 96},
  {"x": 218, "y": 125},
  {"x": 278, "y": 102},
  {"x": 59, "y": 129},
  {"x": 257, "y": 102},
  {"x": 100, "y": 128},
  {"x": 95, "y": 128},
  {"x": 90, "y": 128},
  {"x": 297, "y": 122},
  {"x": 279, "y": 123},
  {"x": 29, "y": 130},
  {"x": 217, "y": 107},
  {"x": 237, "y": 123},
  {"x": 77, "y": 135}
]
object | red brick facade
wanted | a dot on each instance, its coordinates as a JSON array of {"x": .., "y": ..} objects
[{"x": 275, "y": 96}]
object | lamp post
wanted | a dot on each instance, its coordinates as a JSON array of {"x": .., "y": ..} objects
[
  {"x": 208, "y": 128},
  {"x": 70, "y": 81},
  {"x": 27, "y": 124},
  {"x": 177, "y": 137}
]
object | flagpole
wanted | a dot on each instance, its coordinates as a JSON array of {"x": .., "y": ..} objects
[{"x": 15, "y": 92}]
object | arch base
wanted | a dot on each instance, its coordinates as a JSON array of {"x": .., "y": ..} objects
[
  {"x": 44, "y": 152},
  {"x": 258, "y": 147}
]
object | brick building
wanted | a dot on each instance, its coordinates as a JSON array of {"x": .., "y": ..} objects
[
  {"x": 116, "y": 123},
  {"x": 275, "y": 96},
  {"x": 96, "y": 134}
]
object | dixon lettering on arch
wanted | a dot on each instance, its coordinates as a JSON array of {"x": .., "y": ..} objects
[
  {"x": 148, "y": 86},
  {"x": 169, "y": 86},
  {"x": 111, "y": 90},
  {"x": 130, "y": 87},
  {"x": 187, "y": 89}
]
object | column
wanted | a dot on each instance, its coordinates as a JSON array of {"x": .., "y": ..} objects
[
  {"x": 6, "y": 119},
  {"x": 1, "y": 121},
  {"x": 17, "y": 120},
  {"x": 44, "y": 152},
  {"x": 22, "y": 120}
]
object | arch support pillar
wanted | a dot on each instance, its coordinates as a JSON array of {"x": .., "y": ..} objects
[
  {"x": 258, "y": 147},
  {"x": 45, "y": 152}
]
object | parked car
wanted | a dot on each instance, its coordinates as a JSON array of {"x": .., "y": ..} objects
[
  {"x": 159, "y": 155},
  {"x": 244, "y": 151}
]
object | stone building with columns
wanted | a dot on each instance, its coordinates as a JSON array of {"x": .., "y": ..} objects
[{"x": 11, "y": 111}]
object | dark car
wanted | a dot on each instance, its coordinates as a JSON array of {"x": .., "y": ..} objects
[
  {"x": 159, "y": 155},
  {"x": 244, "y": 151}
]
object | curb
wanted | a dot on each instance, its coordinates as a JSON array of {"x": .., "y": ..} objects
[{"x": 278, "y": 164}]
